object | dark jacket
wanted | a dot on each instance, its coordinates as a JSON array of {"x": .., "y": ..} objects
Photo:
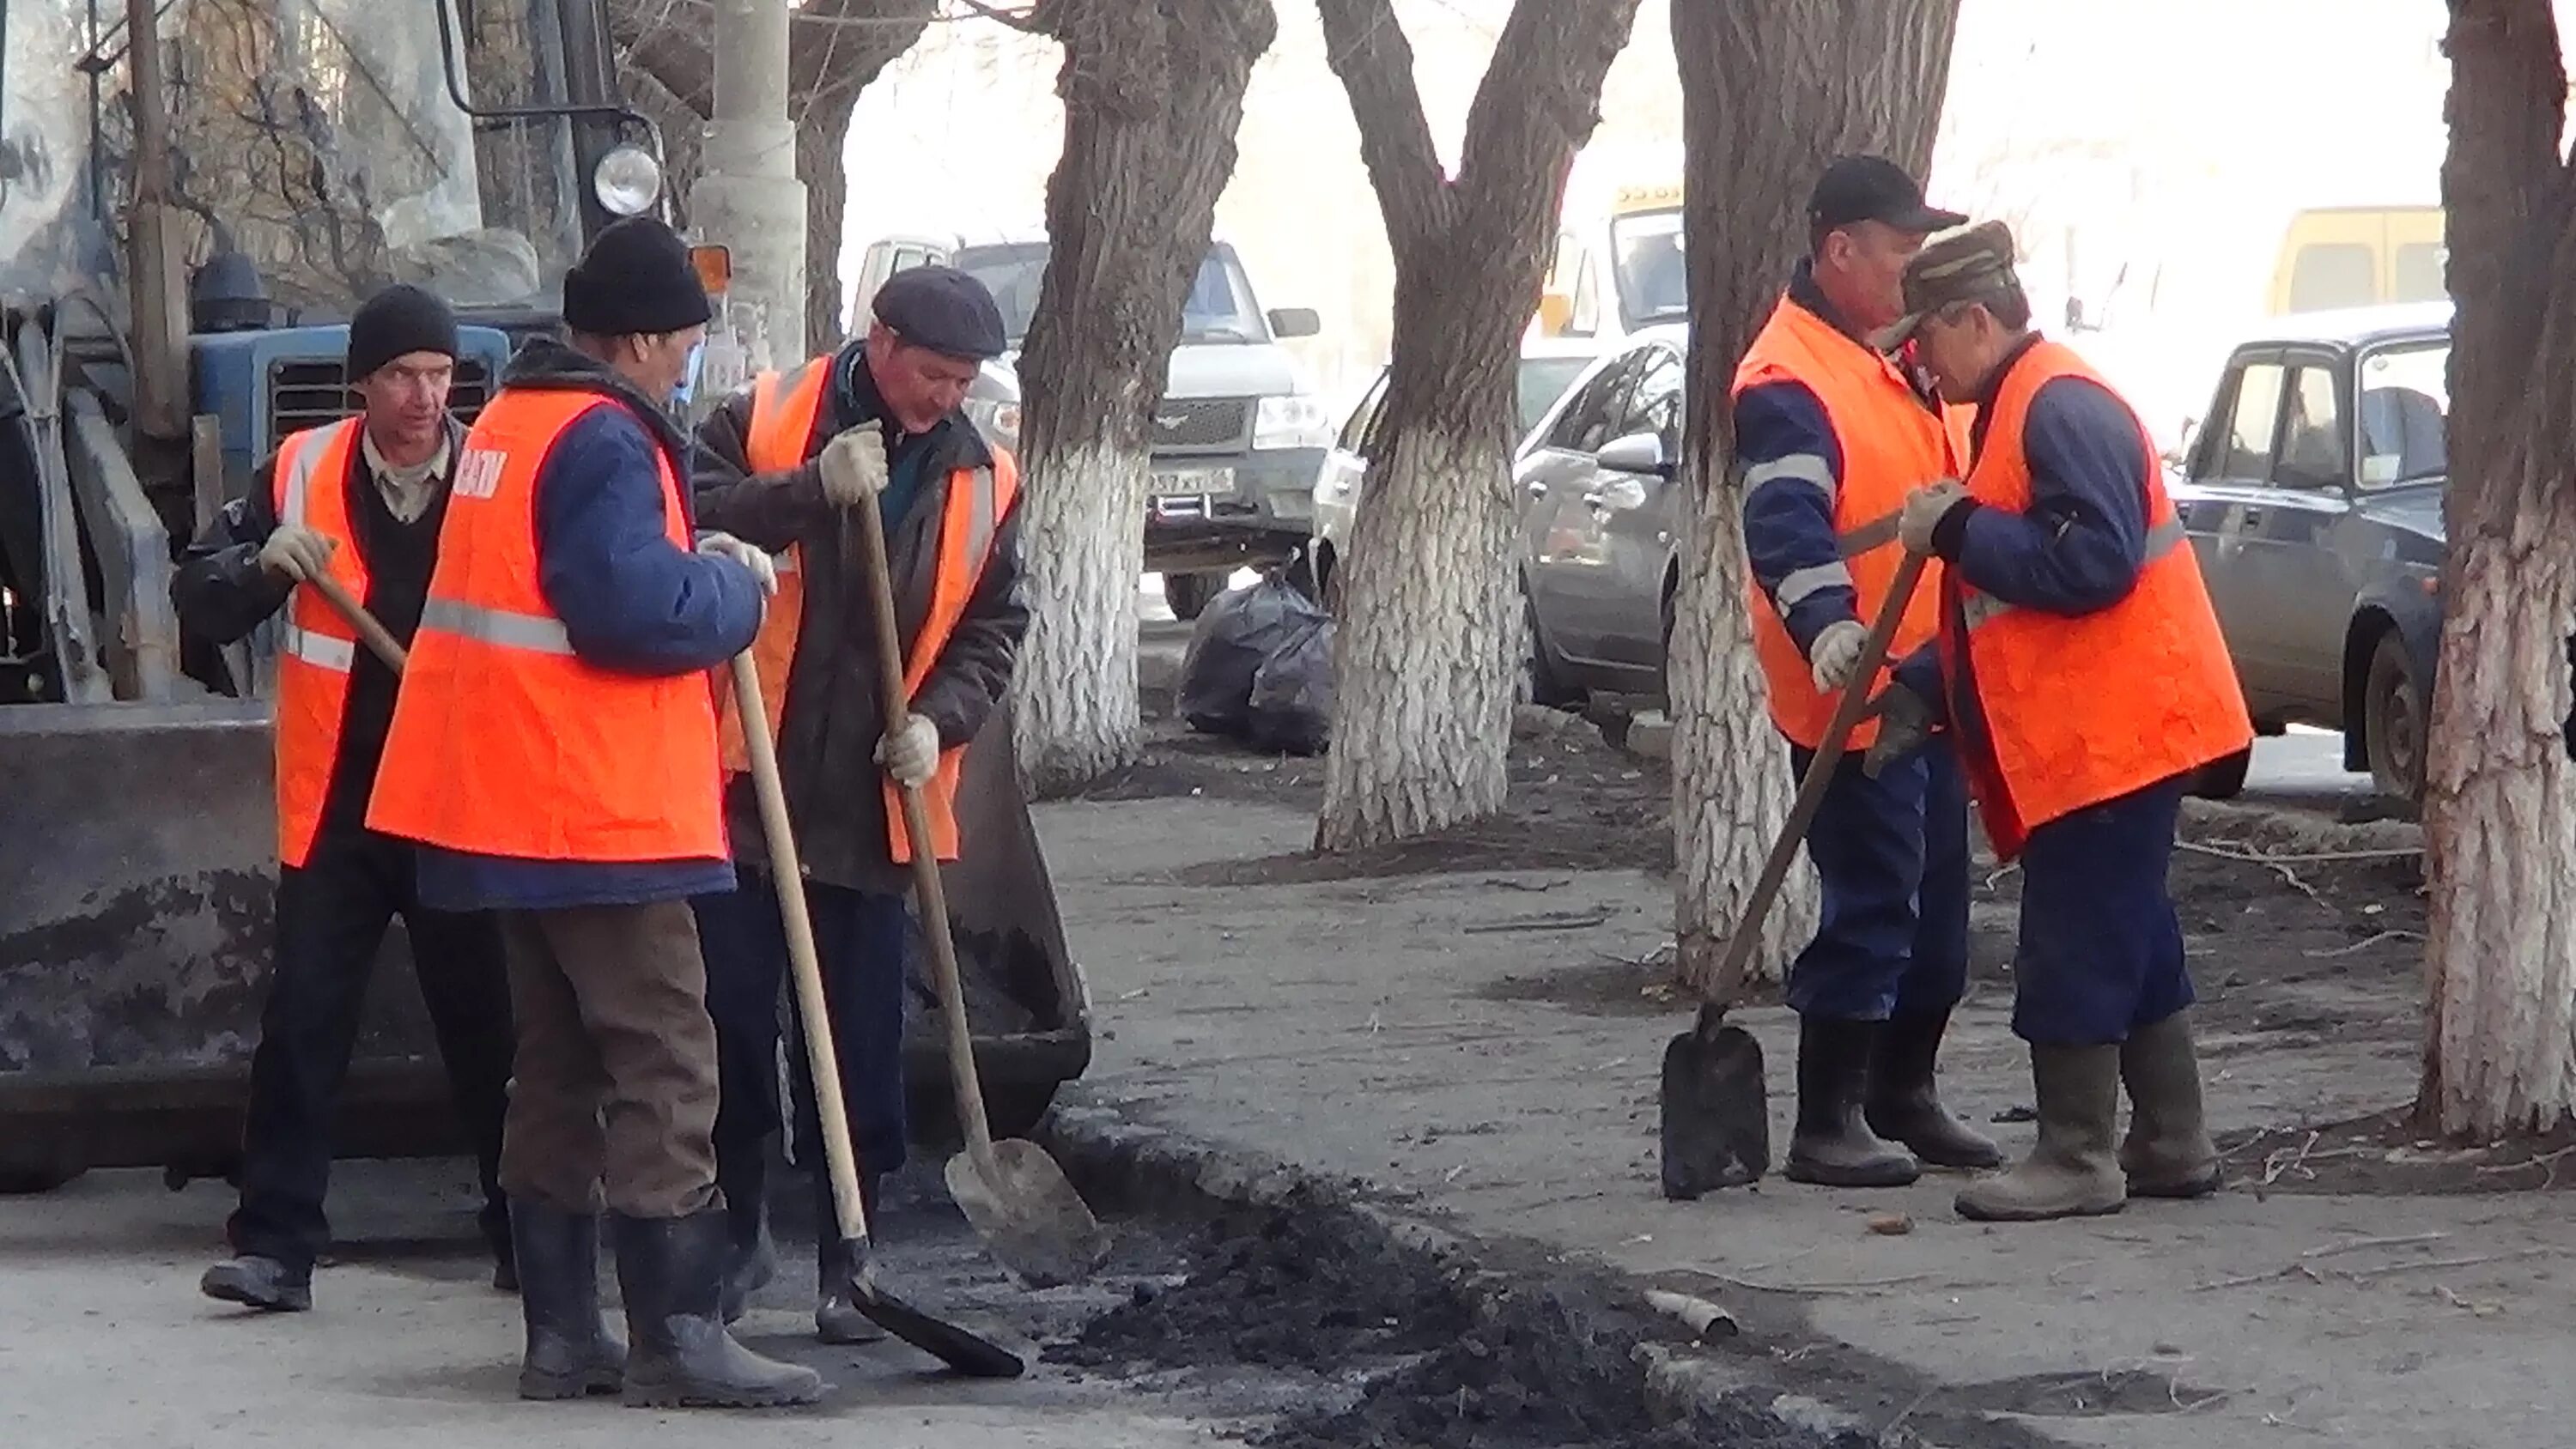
[
  {"x": 222, "y": 594},
  {"x": 630, "y": 601},
  {"x": 833, "y": 722}
]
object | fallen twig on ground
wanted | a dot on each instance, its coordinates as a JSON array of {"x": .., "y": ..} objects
[
  {"x": 2355, "y": 1245},
  {"x": 2365, "y": 944}
]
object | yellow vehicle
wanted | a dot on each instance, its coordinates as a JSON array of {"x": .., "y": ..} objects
[
  {"x": 2339, "y": 257},
  {"x": 1612, "y": 277}
]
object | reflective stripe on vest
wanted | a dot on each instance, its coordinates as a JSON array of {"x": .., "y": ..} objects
[
  {"x": 1890, "y": 443},
  {"x": 505, "y": 742},
  {"x": 782, "y": 434},
  {"x": 2072, "y": 712},
  {"x": 317, "y": 649}
]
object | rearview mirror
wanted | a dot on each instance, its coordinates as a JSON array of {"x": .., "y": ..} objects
[
  {"x": 1636, "y": 453},
  {"x": 1287, "y": 322}
]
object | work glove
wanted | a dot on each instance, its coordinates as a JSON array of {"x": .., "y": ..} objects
[
  {"x": 296, "y": 553},
  {"x": 853, "y": 466},
  {"x": 1924, "y": 509},
  {"x": 910, "y": 751},
  {"x": 1904, "y": 723},
  {"x": 764, "y": 570},
  {"x": 1835, "y": 655}
]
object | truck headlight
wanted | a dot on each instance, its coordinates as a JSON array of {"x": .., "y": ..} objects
[
  {"x": 627, "y": 181},
  {"x": 1295, "y": 421}
]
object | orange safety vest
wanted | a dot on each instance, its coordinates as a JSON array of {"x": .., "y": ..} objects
[
  {"x": 318, "y": 648},
  {"x": 1891, "y": 444},
  {"x": 504, "y": 742},
  {"x": 785, "y": 409},
  {"x": 2082, "y": 710}
]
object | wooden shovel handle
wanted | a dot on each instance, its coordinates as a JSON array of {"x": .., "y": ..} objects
[{"x": 377, "y": 637}]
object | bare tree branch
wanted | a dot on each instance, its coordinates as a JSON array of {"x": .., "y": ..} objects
[{"x": 1367, "y": 49}]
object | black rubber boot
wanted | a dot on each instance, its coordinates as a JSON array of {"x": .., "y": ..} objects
[
  {"x": 680, "y": 1355},
  {"x": 259, "y": 1282},
  {"x": 1905, "y": 1105},
  {"x": 571, "y": 1351},
  {"x": 1833, "y": 1146},
  {"x": 2167, "y": 1152},
  {"x": 837, "y": 1319},
  {"x": 752, "y": 1255}
]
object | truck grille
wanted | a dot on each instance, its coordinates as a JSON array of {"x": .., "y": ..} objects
[
  {"x": 308, "y": 392},
  {"x": 1212, "y": 424}
]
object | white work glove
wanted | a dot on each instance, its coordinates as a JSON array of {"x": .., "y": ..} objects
[
  {"x": 1924, "y": 508},
  {"x": 1836, "y": 654},
  {"x": 853, "y": 466},
  {"x": 910, "y": 751},
  {"x": 296, "y": 553},
  {"x": 764, "y": 570}
]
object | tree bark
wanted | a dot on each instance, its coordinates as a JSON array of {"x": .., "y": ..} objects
[
  {"x": 2500, "y": 821},
  {"x": 1772, "y": 90},
  {"x": 1432, "y": 636},
  {"x": 1153, "y": 95}
]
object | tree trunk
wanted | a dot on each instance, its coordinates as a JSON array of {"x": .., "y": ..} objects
[
  {"x": 2500, "y": 822},
  {"x": 1772, "y": 90},
  {"x": 1431, "y": 638},
  {"x": 1153, "y": 94}
]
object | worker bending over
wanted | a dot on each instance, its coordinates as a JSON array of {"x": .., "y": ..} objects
[
  {"x": 1833, "y": 434},
  {"x": 875, "y": 425},
  {"x": 2083, "y": 679},
  {"x": 554, "y": 751},
  {"x": 360, "y": 502}
]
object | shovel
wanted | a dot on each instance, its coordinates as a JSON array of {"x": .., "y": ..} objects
[
  {"x": 1015, "y": 1195},
  {"x": 379, "y": 639},
  {"x": 965, "y": 1352},
  {"x": 1716, "y": 1117}
]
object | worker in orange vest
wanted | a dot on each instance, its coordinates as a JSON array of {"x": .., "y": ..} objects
[
  {"x": 554, "y": 752},
  {"x": 359, "y": 501},
  {"x": 874, "y": 425},
  {"x": 1832, "y": 434},
  {"x": 2083, "y": 679}
]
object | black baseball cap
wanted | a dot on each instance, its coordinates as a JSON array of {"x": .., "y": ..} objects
[
  {"x": 945, "y": 310},
  {"x": 1873, "y": 188}
]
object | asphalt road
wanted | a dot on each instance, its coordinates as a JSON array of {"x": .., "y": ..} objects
[{"x": 2303, "y": 770}]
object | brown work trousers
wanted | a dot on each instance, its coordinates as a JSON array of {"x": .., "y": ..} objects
[{"x": 613, "y": 1089}]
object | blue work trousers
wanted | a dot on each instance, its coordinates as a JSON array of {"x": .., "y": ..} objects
[
  {"x": 2101, "y": 951},
  {"x": 1893, "y": 856}
]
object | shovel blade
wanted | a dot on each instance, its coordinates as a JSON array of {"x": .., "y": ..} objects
[
  {"x": 970, "y": 1354},
  {"x": 1716, "y": 1116},
  {"x": 1030, "y": 1217}
]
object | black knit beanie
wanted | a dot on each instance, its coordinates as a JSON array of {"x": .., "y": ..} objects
[
  {"x": 397, "y": 321},
  {"x": 636, "y": 279}
]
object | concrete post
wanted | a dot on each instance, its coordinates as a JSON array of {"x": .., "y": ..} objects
[{"x": 748, "y": 198}]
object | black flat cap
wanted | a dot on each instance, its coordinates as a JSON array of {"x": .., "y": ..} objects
[
  {"x": 1873, "y": 188},
  {"x": 945, "y": 310}
]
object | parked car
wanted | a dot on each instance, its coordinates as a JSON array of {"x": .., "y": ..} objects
[
  {"x": 1238, "y": 437},
  {"x": 1548, "y": 367},
  {"x": 2312, "y": 493}
]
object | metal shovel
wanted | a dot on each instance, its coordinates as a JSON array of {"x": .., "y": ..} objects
[
  {"x": 1716, "y": 1114},
  {"x": 1015, "y": 1195},
  {"x": 966, "y": 1352}
]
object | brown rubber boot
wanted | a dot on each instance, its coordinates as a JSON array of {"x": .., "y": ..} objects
[
  {"x": 1832, "y": 1146},
  {"x": 1905, "y": 1105},
  {"x": 2073, "y": 1172},
  {"x": 2167, "y": 1152}
]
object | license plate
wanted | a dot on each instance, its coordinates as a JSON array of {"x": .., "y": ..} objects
[{"x": 1193, "y": 482}]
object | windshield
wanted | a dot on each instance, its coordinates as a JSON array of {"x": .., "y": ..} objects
[
  {"x": 1219, "y": 307},
  {"x": 316, "y": 136},
  {"x": 2405, "y": 399},
  {"x": 1542, "y": 381},
  {"x": 1646, "y": 252}
]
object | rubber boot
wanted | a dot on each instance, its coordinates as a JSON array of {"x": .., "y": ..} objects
[
  {"x": 751, "y": 1258},
  {"x": 837, "y": 1319},
  {"x": 2167, "y": 1152},
  {"x": 1832, "y": 1146},
  {"x": 571, "y": 1351},
  {"x": 681, "y": 1356},
  {"x": 2073, "y": 1172},
  {"x": 255, "y": 1281},
  {"x": 1905, "y": 1105}
]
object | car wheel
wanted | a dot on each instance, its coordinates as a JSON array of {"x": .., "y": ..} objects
[
  {"x": 2394, "y": 710},
  {"x": 1188, "y": 594},
  {"x": 1546, "y": 685},
  {"x": 2223, "y": 779}
]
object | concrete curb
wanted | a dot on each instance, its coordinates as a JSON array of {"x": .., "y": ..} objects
[{"x": 1125, "y": 1166}]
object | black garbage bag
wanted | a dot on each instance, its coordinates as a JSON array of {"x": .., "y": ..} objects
[
  {"x": 1236, "y": 634},
  {"x": 1292, "y": 693}
]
